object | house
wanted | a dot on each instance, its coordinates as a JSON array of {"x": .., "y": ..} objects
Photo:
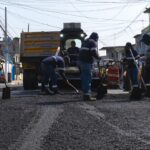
[
  {"x": 2, "y": 59},
  {"x": 114, "y": 52},
  {"x": 10, "y": 54},
  {"x": 140, "y": 46}
]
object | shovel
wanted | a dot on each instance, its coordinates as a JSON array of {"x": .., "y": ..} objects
[
  {"x": 76, "y": 90},
  {"x": 6, "y": 92}
]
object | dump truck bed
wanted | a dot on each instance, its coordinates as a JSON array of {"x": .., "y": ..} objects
[{"x": 39, "y": 43}]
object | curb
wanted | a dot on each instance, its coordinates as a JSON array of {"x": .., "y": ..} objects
[{"x": 13, "y": 85}]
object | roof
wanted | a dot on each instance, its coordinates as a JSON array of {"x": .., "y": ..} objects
[
  {"x": 147, "y": 10},
  {"x": 115, "y": 48},
  {"x": 137, "y": 35}
]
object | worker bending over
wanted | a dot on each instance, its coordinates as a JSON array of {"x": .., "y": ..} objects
[{"x": 49, "y": 68}]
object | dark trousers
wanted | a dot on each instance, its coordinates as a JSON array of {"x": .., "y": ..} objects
[
  {"x": 49, "y": 75},
  {"x": 147, "y": 74}
]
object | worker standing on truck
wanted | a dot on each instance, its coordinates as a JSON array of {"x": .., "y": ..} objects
[
  {"x": 87, "y": 53},
  {"x": 49, "y": 67},
  {"x": 73, "y": 53},
  {"x": 133, "y": 70}
]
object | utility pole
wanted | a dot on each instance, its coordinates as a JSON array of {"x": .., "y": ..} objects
[
  {"x": 28, "y": 27},
  {"x": 6, "y": 47}
]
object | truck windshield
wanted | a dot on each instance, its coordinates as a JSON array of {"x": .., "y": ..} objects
[{"x": 77, "y": 41}]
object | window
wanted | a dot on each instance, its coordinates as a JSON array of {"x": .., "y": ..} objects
[{"x": 68, "y": 43}]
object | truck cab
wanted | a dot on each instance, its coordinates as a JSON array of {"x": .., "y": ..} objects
[{"x": 71, "y": 32}]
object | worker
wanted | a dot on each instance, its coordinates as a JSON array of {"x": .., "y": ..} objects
[
  {"x": 49, "y": 67},
  {"x": 73, "y": 53},
  {"x": 146, "y": 68},
  {"x": 87, "y": 53},
  {"x": 125, "y": 76},
  {"x": 133, "y": 70}
]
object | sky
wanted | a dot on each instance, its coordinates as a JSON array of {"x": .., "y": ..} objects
[{"x": 116, "y": 21}]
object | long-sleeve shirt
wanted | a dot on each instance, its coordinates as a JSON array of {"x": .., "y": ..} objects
[
  {"x": 56, "y": 61},
  {"x": 88, "y": 51}
]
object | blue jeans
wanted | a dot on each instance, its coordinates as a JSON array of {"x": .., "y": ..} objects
[
  {"x": 86, "y": 77},
  {"x": 133, "y": 73}
]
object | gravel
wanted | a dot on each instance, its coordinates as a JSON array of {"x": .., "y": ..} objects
[
  {"x": 113, "y": 123},
  {"x": 14, "y": 119}
]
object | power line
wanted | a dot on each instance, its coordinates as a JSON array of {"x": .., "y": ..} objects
[
  {"x": 101, "y": 23},
  {"x": 3, "y": 28},
  {"x": 33, "y": 20},
  {"x": 105, "y": 2},
  {"x": 121, "y": 9},
  {"x": 24, "y": 6},
  {"x": 52, "y": 11},
  {"x": 131, "y": 22}
]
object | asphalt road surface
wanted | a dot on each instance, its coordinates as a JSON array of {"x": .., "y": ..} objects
[{"x": 30, "y": 121}]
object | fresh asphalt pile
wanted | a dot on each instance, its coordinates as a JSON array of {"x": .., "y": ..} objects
[
  {"x": 78, "y": 130},
  {"x": 65, "y": 122},
  {"x": 15, "y": 116}
]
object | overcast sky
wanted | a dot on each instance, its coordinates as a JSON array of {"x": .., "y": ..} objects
[{"x": 116, "y": 21}]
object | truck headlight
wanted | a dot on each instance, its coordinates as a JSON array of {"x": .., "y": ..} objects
[
  {"x": 82, "y": 35},
  {"x": 61, "y": 35}
]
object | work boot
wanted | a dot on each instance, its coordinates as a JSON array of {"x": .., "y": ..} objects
[
  {"x": 101, "y": 91},
  {"x": 135, "y": 94},
  {"x": 88, "y": 98},
  {"x": 147, "y": 93},
  {"x": 54, "y": 89}
]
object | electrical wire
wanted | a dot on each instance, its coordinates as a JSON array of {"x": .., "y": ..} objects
[
  {"x": 51, "y": 11},
  {"x": 106, "y": 2},
  {"x": 77, "y": 13},
  {"x": 20, "y": 16}
]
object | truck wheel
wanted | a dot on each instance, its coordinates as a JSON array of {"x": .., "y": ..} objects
[{"x": 30, "y": 81}]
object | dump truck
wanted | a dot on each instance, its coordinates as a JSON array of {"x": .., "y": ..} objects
[{"x": 35, "y": 46}]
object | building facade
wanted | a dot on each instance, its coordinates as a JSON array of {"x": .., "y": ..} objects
[{"x": 114, "y": 52}]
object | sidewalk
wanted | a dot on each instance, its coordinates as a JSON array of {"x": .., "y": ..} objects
[{"x": 14, "y": 83}]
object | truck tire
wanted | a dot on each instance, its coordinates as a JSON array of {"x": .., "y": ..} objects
[{"x": 30, "y": 81}]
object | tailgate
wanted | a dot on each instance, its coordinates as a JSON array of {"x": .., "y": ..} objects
[{"x": 39, "y": 43}]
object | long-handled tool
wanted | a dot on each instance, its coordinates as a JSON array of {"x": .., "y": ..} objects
[
  {"x": 66, "y": 80},
  {"x": 136, "y": 93},
  {"x": 137, "y": 68},
  {"x": 76, "y": 90},
  {"x": 102, "y": 88},
  {"x": 6, "y": 92}
]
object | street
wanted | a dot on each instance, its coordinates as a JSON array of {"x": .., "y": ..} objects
[{"x": 29, "y": 121}]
